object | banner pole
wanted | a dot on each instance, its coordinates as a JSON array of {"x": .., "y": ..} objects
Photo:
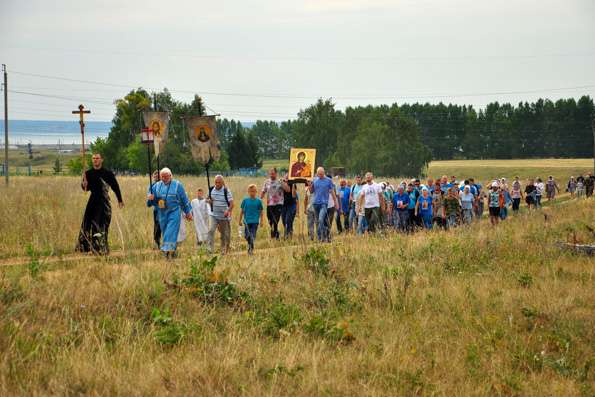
[
  {"x": 149, "y": 167},
  {"x": 208, "y": 177}
]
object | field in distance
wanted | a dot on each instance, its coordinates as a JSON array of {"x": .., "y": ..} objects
[{"x": 486, "y": 170}]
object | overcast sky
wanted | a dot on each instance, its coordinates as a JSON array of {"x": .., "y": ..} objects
[{"x": 267, "y": 59}]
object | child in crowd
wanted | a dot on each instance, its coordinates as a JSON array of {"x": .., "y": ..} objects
[
  {"x": 251, "y": 214},
  {"x": 200, "y": 216}
]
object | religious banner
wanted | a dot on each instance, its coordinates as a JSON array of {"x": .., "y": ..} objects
[
  {"x": 204, "y": 143},
  {"x": 301, "y": 164},
  {"x": 157, "y": 122}
]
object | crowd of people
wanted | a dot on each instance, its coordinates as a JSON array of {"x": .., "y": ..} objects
[{"x": 362, "y": 206}]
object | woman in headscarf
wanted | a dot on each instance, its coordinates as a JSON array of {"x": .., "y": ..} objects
[{"x": 171, "y": 200}]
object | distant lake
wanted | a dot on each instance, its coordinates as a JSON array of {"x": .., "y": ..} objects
[{"x": 41, "y": 132}]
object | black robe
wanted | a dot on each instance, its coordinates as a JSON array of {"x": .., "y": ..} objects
[{"x": 98, "y": 214}]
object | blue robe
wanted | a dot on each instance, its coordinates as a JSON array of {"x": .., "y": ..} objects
[{"x": 169, "y": 217}]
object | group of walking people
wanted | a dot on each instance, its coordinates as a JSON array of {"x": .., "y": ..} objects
[{"x": 360, "y": 206}]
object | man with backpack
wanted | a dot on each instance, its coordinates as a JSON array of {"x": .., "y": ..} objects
[{"x": 221, "y": 202}]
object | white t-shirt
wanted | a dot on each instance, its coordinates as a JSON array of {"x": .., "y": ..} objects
[
  {"x": 331, "y": 201},
  {"x": 540, "y": 188},
  {"x": 371, "y": 193},
  {"x": 200, "y": 216}
]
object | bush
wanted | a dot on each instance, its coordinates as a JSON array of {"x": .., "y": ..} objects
[
  {"x": 211, "y": 286},
  {"x": 316, "y": 261}
]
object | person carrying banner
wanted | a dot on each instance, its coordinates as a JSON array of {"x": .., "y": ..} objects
[
  {"x": 274, "y": 189},
  {"x": 93, "y": 236},
  {"x": 171, "y": 201}
]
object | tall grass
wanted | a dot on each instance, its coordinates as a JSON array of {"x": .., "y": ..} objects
[{"x": 473, "y": 311}]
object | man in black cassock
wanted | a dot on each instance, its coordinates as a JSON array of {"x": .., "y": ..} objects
[{"x": 98, "y": 214}]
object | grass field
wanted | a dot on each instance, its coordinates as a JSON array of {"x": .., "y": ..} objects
[
  {"x": 474, "y": 311},
  {"x": 484, "y": 170}
]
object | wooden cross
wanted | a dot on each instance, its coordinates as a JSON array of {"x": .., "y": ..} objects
[{"x": 81, "y": 112}]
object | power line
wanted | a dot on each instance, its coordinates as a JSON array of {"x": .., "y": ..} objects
[
  {"x": 348, "y": 97},
  {"x": 56, "y": 105},
  {"x": 65, "y": 98}
]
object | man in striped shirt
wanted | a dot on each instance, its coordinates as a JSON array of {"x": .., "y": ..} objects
[{"x": 221, "y": 202}]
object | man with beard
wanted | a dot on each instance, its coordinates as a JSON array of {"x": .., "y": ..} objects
[{"x": 93, "y": 236}]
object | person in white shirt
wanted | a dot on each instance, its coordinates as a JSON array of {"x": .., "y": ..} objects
[
  {"x": 372, "y": 200},
  {"x": 200, "y": 215},
  {"x": 539, "y": 190}
]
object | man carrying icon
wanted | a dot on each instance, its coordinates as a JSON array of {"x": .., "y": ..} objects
[{"x": 93, "y": 236}]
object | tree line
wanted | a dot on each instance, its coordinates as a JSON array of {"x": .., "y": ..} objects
[{"x": 389, "y": 139}]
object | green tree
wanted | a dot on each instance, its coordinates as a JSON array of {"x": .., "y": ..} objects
[
  {"x": 401, "y": 152},
  {"x": 319, "y": 126}
]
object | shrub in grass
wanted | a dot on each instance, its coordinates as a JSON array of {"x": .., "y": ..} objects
[
  {"x": 211, "y": 286},
  {"x": 316, "y": 260}
]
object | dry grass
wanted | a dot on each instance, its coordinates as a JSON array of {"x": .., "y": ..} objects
[{"x": 476, "y": 311}]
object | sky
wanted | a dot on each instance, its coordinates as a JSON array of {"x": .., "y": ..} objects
[{"x": 267, "y": 59}]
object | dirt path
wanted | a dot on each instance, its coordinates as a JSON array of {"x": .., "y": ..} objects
[
  {"x": 154, "y": 254},
  {"x": 146, "y": 252}
]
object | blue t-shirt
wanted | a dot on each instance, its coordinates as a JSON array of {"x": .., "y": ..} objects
[
  {"x": 322, "y": 190},
  {"x": 412, "y": 198},
  {"x": 425, "y": 204},
  {"x": 403, "y": 198},
  {"x": 445, "y": 186},
  {"x": 472, "y": 189},
  {"x": 344, "y": 196},
  {"x": 252, "y": 208}
]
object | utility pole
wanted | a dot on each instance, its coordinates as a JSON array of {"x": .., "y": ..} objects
[{"x": 5, "y": 124}]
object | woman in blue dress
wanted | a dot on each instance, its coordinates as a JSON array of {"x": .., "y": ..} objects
[{"x": 170, "y": 199}]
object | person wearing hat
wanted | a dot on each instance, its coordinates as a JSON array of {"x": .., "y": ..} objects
[
  {"x": 170, "y": 199},
  {"x": 495, "y": 203}
]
